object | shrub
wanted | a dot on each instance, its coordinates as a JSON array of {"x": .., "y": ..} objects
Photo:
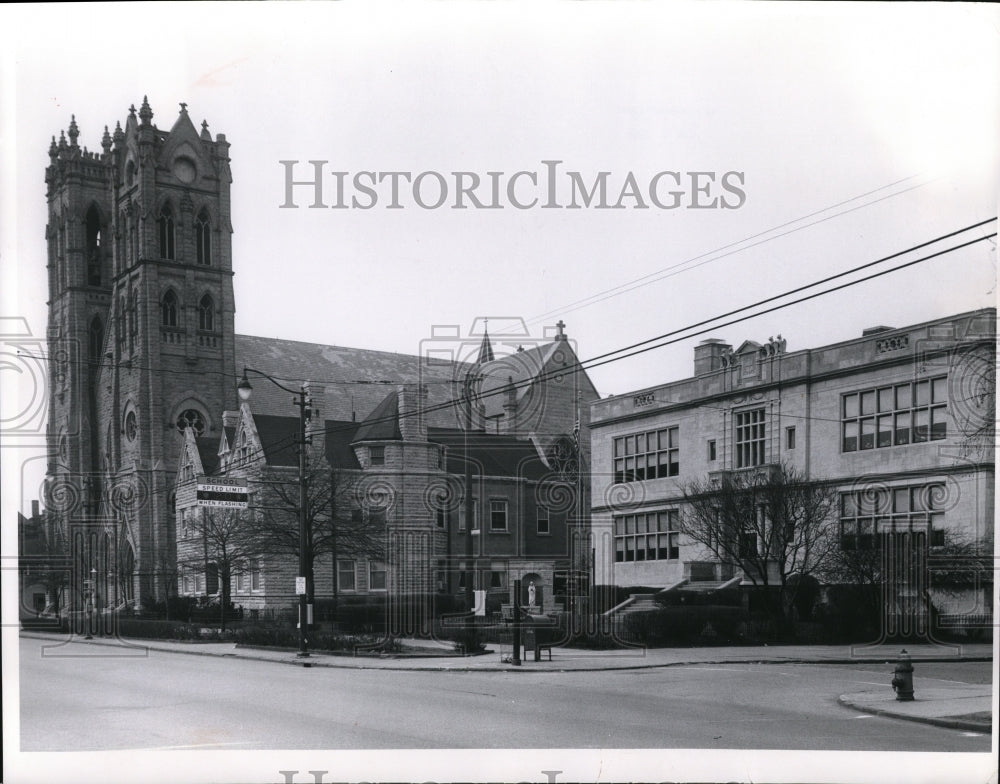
[
  {"x": 403, "y": 616},
  {"x": 684, "y": 625},
  {"x": 317, "y": 640}
]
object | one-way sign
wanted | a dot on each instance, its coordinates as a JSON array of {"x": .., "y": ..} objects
[{"x": 218, "y": 491}]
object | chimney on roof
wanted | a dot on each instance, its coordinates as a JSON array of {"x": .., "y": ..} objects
[
  {"x": 508, "y": 425},
  {"x": 708, "y": 355},
  {"x": 230, "y": 418},
  {"x": 316, "y": 423},
  {"x": 412, "y": 426},
  {"x": 876, "y": 330},
  {"x": 34, "y": 510}
]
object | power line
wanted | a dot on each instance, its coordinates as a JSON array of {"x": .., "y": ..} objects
[
  {"x": 665, "y": 272},
  {"x": 608, "y": 357},
  {"x": 642, "y": 346}
]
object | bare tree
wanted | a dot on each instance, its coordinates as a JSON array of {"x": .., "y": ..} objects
[
  {"x": 771, "y": 522},
  {"x": 227, "y": 542},
  {"x": 336, "y": 521},
  {"x": 957, "y": 561},
  {"x": 972, "y": 398}
]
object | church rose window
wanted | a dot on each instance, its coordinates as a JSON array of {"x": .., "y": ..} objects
[{"x": 191, "y": 418}]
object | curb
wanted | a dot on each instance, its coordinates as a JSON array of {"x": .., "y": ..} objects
[
  {"x": 316, "y": 661},
  {"x": 937, "y": 721}
]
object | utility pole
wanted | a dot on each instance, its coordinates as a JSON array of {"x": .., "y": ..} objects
[
  {"x": 469, "y": 506},
  {"x": 303, "y": 404}
]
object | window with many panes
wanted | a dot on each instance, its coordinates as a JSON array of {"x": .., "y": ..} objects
[
  {"x": 377, "y": 454},
  {"x": 908, "y": 413},
  {"x": 651, "y": 455},
  {"x": 647, "y": 536},
  {"x": 750, "y": 438},
  {"x": 866, "y": 514}
]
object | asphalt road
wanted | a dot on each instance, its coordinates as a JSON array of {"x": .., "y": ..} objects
[{"x": 175, "y": 701}]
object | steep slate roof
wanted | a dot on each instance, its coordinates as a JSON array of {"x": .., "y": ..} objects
[
  {"x": 356, "y": 379},
  {"x": 521, "y": 366},
  {"x": 277, "y": 438},
  {"x": 499, "y": 455},
  {"x": 208, "y": 451},
  {"x": 383, "y": 423}
]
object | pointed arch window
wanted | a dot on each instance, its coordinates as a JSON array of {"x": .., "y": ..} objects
[
  {"x": 93, "y": 246},
  {"x": 134, "y": 235},
  {"x": 120, "y": 319},
  {"x": 169, "y": 307},
  {"x": 133, "y": 314},
  {"x": 206, "y": 313},
  {"x": 203, "y": 238},
  {"x": 166, "y": 224},
  {"x": 95, "y": 340},
  {"x": 121, "y": 234}
]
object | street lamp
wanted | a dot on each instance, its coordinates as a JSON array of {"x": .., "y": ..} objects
[{"x": 302, "y": 401}]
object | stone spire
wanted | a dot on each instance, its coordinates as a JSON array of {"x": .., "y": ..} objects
[
  {"x": 485, "y": 348},
  {"x": 74, "y": 131},
  {"x": 145, "y": 113}
]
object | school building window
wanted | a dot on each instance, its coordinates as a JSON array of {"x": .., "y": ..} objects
[
  {"x": 908, "y": 413},
  {"x": 750, "y": 438},
  {"x": 650, "y": 536},
  {"x": 866, "y": 514},
  {"x": 651, "y": 455}
]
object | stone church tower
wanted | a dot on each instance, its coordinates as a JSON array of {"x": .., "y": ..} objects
[{"x": 140, "y": 337}]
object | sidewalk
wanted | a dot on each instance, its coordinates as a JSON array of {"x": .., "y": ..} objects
[
  {"x": 958, "y": 706},
  {"x": 441, "y": 657}
]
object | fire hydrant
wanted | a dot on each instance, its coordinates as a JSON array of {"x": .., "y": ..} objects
[{"x": 902, "y": 679}]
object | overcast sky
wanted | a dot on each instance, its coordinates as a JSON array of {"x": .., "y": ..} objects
[{"x": 816, "y": 106}]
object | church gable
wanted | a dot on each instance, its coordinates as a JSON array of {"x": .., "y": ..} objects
[
  {"x": 189, "y": 463},
  {"x": 183, "y": 153}
]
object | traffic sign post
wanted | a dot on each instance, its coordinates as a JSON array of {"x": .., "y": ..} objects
[{"x": 223, "y": 492}]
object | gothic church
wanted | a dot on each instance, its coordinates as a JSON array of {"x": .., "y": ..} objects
[{"x": 144, "y": 359}]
